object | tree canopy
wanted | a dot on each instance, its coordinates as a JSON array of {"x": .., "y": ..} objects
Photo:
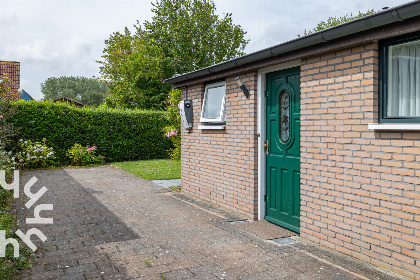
[
  {"x": 134, "y": 70},
  {"x": 191, "y": 35},
  {"x": 333, "y": 21},
  {"x": 87, "y": 90},
  {"x": 183, "y": 36}
]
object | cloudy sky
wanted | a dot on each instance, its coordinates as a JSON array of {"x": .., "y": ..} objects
[{"x": 52, "y": 38}]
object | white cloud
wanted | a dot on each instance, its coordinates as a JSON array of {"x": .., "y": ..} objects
[
  {"x": 54, "y": 38},
  {"x": 37, "y": 51},
  {"x": 76, "y": 46},
  {"x": 8, "y": 20}
]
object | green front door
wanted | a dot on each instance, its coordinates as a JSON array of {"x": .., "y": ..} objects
[{"x": 283, "y": 148}]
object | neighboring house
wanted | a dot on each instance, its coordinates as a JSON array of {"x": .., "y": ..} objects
[
  {"x": 328, "y": 144},
  {"x": 11, "y": 69},
  {"x": 25, "y": 96},
  {"x": 68, "y": 100}
]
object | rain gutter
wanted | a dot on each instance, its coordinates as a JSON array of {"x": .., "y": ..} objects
[{"x": 389, "y": 16}]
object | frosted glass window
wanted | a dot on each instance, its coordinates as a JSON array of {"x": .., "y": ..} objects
[
  {"x": 213, "y": 109},
  {"x": 284, "y": 116}
]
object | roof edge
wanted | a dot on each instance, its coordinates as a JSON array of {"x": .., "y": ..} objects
[
  {"x": 69, "y": 99},
  {"x": 399, "y": 13},
  {"x": 27, "y": 94}
]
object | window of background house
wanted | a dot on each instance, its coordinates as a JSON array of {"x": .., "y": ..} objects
[
  {"x": 213, "y": 110},
  {"x": 400, "y": 80}
]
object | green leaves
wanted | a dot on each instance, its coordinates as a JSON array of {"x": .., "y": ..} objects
[
  {"x": 133, "y": 67},
  {"x": 34, "y": 155},
  {"x": 191, "y": 36},
  {"x": 333, "y": 21},
  {"x": 88, "y": 90},
  {"x": 119, "y": 134},
  {"x": 9, "y": 265},
  {"x": 173, "y": 129},
  {"x": 183, "y": 36},
  {"x": 80, "y": 155}
]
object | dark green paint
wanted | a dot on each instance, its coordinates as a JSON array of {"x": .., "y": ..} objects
[
  {"x": 283, "y": 160},
  {"x": 383, "y": 79}
]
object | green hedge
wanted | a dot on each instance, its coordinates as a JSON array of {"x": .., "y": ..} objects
[{"x": 119, "y": 134}]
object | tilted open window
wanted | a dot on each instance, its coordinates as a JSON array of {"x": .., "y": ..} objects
[{"x": 213, "y": 110}]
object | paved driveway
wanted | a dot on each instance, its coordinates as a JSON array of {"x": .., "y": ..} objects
[{"x": 109, "y": 224}]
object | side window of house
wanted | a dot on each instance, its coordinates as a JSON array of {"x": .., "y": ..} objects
[
  {"x": 213, "y": 110},
  {"x": 400, "y": 80}
]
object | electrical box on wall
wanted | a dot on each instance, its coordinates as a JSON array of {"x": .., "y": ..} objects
[{"x": 185, "y": 109}]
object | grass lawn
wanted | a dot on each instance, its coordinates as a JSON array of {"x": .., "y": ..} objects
[{"x": 154, "y": 169}]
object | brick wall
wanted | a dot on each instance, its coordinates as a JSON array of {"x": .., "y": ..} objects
[
  {"x": 11, "y": 69},
  {"x": 360, "y": 189},
  {"x": 221, "y": 166}
]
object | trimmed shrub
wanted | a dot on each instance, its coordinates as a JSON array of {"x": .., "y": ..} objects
[
  {"x": 80, "y": 155},
  {"x": 118, "y": 134},
  {"x": 34, "y": 155}
]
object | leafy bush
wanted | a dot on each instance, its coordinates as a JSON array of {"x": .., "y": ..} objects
[
  {"x": 173, "y": 130},
  {"x": 7, "y": 163},
  {"x": 7, "y": 129},
  {"x": 6, "y": 108},
  {"x": 34, "y": 155},
  {"x": 119, "y": 134},
  {"x": 84, "y": 155},
  {"x": 9, "y": 265}
]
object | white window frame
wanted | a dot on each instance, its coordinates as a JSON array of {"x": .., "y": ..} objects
[
  {"x": 261, "y": 130},
  {"x": 222, "y": 116}
]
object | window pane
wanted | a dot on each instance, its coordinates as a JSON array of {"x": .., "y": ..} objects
[
  {"x": 214, "y": 99},
  {"x": 403, "y": 98},
  {"x": 284, "y": 116}
]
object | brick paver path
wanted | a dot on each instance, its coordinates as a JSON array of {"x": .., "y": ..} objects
[{"x": 109, "y": 224}]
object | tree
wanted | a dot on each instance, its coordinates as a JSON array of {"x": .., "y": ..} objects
[
  {"x": 333, "y": 21},
  {"x": 183, "y": 36},
  {"x": 191, "y": 36},
  {"x": 87, "y": 90},
  {"x": 132, "y": 67}
]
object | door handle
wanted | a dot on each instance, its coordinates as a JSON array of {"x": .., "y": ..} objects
[{"x": 266, "y": 147}]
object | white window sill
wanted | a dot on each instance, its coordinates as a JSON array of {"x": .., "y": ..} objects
[
  {"x": 211, "y": 126},
  {"x": 394, "y": 126}
]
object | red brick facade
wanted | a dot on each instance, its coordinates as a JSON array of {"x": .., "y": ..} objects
[
  {"x": 11, "y": 69},
  {"x": 360, "y": 190},
  {"x": 222, "y": 165}
]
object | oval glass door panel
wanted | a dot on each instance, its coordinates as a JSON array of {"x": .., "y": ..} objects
[{"x": 284, "y": 129}]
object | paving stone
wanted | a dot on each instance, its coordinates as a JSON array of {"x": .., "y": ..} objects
[
  {"x": 209, "y": 269},
  {"x": 177, "y": 274},
  {"x": 80, "y": 268},
  {"x": 153, "y": 270},
  {"x": 78, "y": 276},
  {"x": 54, "y": 274},
  {"x": 259, "y": 276},
  {"x": 108, "y": 222},
  {"x": 60, "y": 265}
]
